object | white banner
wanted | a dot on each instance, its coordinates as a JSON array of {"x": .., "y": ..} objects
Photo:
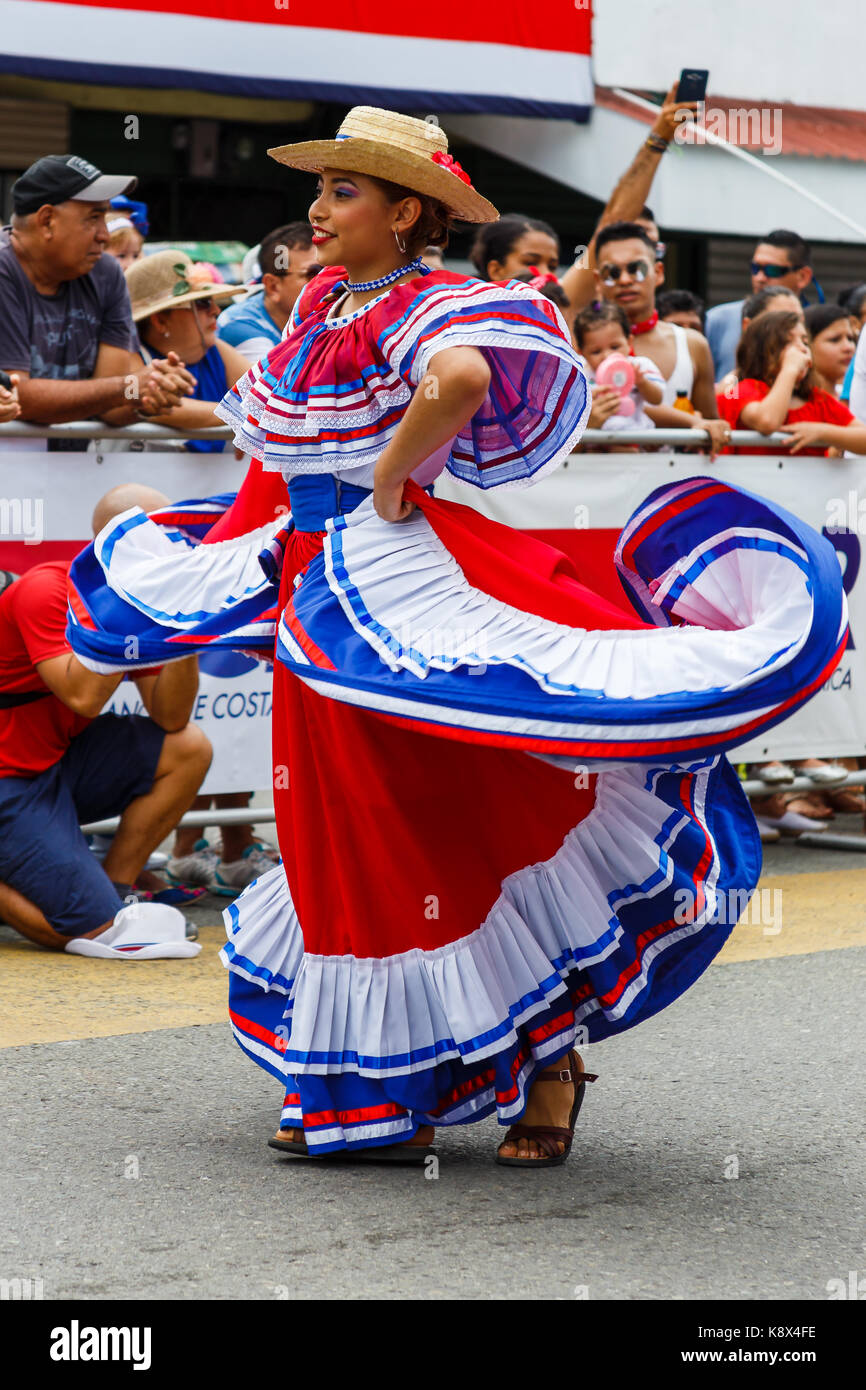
[
  {"x": 596, "y": 493},
  {"x": 46, "y": 502},
  {"x": 233, "y": 707}
]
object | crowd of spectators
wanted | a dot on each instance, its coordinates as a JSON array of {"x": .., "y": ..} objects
[{"x": 94, "y": 327}]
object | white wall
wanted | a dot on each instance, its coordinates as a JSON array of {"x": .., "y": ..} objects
[
  {"x": 775, "y": 50},
  {"x": 696, "y": 188}
]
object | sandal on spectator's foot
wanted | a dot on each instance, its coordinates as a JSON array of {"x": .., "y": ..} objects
[
  {"x": 825, "y": 774},
  {"x": 177, "y": 895},
  {"x": 775, "y": 774},
  {"x": 548, "y": 1137},
  {"x": 384, "y": 1153},
  {"x": 791, "y": 823},
  {"x": 847, "y": 801},
  {"x": 768, "y": 833}
]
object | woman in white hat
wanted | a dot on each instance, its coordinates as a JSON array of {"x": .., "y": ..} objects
[
  {"x": 504, "y": 811},
  {"x": 176, "y": 308}
]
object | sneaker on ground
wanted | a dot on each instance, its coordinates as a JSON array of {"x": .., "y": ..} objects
[
  {"x": 264, "y": 847},
  {"x": 197, "y": 869},
  {"x": 231, "y": 878}
]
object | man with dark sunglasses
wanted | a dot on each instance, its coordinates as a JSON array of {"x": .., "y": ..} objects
[
  {"x": 628, "y": 273},
  {"x": 782, "y": 259}
]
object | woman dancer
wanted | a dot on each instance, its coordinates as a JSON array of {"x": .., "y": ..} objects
[{"x": 505, "y": 816}]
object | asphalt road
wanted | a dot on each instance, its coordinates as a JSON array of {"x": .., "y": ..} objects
[{"x": 719, "y": 1155}]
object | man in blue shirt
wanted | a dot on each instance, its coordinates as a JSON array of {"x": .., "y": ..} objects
[
  {"x": 781, "y": 259},
  {"x": 287, "y": 261}
]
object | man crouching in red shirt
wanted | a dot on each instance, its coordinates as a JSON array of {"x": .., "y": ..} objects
[{"x": 63, "y": 764}]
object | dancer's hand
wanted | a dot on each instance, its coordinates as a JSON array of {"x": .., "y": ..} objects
[
  {"x": 388, "y": 494},
  {"x": 390, "y": 503}
]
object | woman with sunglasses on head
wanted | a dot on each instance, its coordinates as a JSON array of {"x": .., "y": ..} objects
[
  {"x": 176, "y": 308},
  {"x": 502, "y": 804}
]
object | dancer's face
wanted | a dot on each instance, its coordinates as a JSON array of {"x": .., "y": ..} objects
[{"x": 354, "y": 223}]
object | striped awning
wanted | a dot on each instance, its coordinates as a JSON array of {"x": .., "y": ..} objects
[{"x": 449, "y": 56}]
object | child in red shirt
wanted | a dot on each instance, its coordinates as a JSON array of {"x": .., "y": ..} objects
[{"x": 776, "y": 390}]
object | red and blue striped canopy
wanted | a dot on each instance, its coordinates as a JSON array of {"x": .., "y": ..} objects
[{"x": 448, "y": 56}]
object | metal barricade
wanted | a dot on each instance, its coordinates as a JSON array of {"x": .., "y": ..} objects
[{"x": 96, "y": 429}]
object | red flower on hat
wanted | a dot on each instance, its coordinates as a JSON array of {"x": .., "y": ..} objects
[
  {"x": 541, "y": 278},
  {"x": 450, "y": 163}
]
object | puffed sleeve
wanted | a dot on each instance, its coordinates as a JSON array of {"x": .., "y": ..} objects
[
  {"x": 539, "y": 399},
  {"x": 246, "y": 404}
]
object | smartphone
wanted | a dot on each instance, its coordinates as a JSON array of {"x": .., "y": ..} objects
[
  {"x": 5, "y": 381},
  {"x": 693, "y": 84}
]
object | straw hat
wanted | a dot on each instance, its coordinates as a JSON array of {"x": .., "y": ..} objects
[
  {"x": 399, "y": 148},
  {"x": 168, "y": 280}
]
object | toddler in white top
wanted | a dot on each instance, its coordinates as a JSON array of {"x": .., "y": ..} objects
[{"x": 601, "y": 331}]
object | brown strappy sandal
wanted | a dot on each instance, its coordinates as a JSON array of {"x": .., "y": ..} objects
[{"x": 548, "y": 1136}]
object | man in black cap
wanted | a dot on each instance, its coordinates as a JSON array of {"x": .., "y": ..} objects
[{"x": 65, "y": 322}]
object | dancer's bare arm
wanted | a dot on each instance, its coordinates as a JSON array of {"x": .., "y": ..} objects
[{"x": 453, "y": 389}]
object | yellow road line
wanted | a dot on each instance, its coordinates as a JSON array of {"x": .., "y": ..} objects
[
  {"x": 47, "y": 998},
  {"x": 816, "y": 912}
]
